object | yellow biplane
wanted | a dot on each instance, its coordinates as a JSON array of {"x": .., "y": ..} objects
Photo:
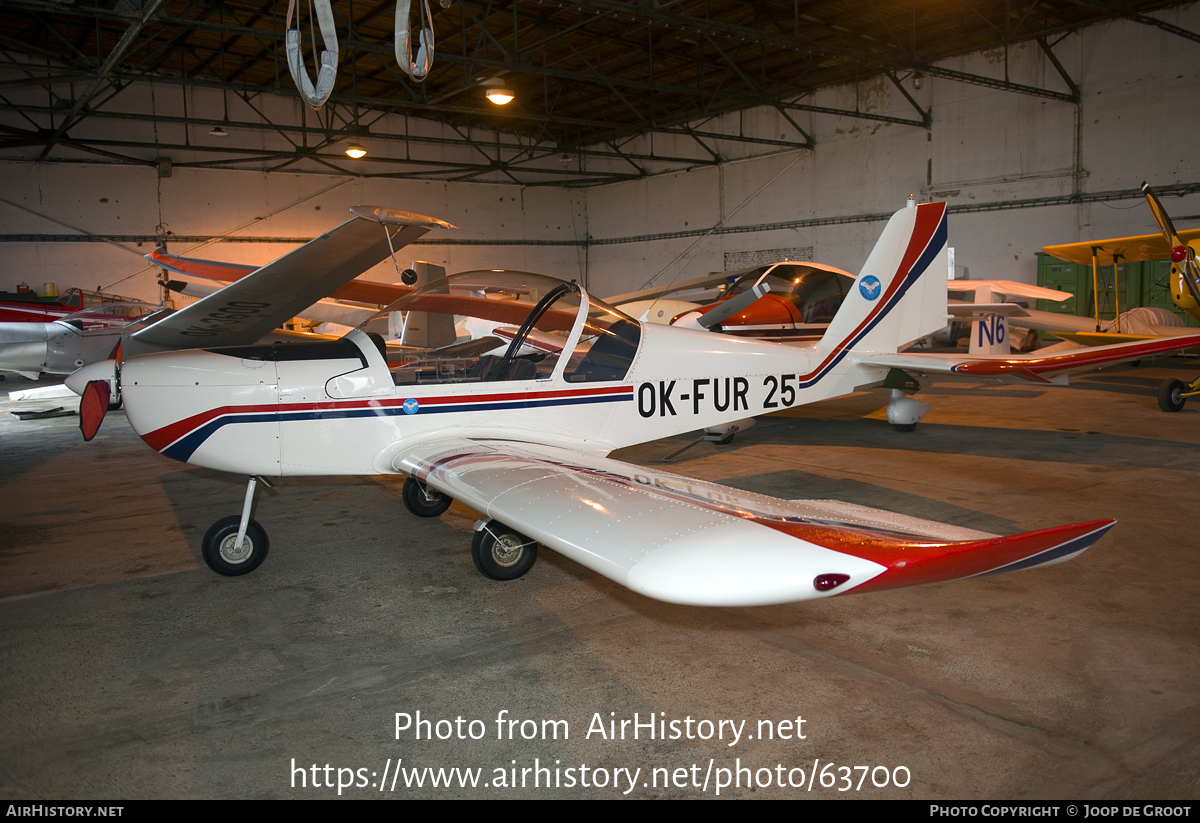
[{"x": 1180, "y": 247}]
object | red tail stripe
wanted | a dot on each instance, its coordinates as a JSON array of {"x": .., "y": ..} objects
[{"x": 929, "y": 217}]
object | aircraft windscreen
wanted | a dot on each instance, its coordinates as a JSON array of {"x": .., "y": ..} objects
[{"x": 488, "y": 326}]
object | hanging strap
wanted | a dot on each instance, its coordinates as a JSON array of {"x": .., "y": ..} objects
[
  {"x": 314, "y": 95},
  {"x": 419, "y": 67}
]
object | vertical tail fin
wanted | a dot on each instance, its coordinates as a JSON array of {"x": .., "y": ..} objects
[
  {"x": 900, "y": 295},
  {"x": 989, "y": 335}
]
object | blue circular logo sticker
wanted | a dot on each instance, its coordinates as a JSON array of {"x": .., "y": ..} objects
[
  {"x": 870, "y": 287},
  {"x": 410, "y": 406}
]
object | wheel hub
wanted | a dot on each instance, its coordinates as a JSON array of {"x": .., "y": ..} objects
[
  {"x": 231, "y": 554},
  {"x": 507, "y": 550}
]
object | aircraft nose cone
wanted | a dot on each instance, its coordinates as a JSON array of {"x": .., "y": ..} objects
[
  {"x": 102, "y": 370},
  {"x": 23, "y": 347}
]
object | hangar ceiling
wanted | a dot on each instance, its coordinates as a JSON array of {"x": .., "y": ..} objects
[{"x": 592, "y": 79}]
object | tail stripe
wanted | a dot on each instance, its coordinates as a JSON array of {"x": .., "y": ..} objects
[{"x": 928, "y": 237}]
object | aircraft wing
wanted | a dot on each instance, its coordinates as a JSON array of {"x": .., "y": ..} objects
[
  {"x": 1009, "y": 287},
  {"x": 323, "y": 311},
  {"x": 1037, "y": 368},
  {"x": 709, "y": 281},
  {"x": 1130, "y": 249},
  {"x": 364, "y": 292},
  {"x": 249, "y": 308},
  {"x": 195, "y": 267},
  {"x": 687, "y": 541}
]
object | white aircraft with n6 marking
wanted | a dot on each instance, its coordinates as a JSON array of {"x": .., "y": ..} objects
[{"x": 512, "y": 389}]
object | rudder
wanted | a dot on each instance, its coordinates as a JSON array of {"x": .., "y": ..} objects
[{"x": 900, "y": 295}]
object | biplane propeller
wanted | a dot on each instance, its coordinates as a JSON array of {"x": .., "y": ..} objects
[{"x": 1185, "y": 291}]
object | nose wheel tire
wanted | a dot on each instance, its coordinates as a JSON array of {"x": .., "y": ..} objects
[
  {"x": 501, "y": 553},
  {"x": 422, "y": 500},
  {"x": 220, "y": 550},
  {"x": 1170, "y": 395}
]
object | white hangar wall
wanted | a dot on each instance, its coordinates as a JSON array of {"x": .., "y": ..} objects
[
  {"x": 1137, "y": 120},
  {"x": 122, "y": 200}
]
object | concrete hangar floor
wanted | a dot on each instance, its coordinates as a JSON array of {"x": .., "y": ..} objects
[{"x": 130, "y": 670}]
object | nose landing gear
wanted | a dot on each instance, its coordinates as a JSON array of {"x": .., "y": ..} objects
[{"x": 237, "y": 544}]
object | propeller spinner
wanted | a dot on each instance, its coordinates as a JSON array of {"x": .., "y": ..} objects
[{"x": 100, "y": 385}]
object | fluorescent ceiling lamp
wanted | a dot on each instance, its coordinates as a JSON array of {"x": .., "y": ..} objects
[
  {"x": 500, "y": 95},
  {"x": 356, "y": 151}
]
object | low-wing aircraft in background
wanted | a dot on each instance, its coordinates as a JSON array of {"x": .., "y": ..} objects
[
  {"x": 243, "y": 312},
  {"x": 14, "y": 309},
  {"x": 356, "y": 292},
  {"x": 520, "y": 433},
  {"x": 794, "y": 302},
  {"x": 785, "y": 302},
  {"x": 1181, "y": 248}
]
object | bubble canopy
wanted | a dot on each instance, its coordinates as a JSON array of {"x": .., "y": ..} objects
[
  {"x": 815, "y": 290},
  {"x": 505, "y": 325}
]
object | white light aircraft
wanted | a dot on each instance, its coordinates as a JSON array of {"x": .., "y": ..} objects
[{"x": 521, "y": 432}]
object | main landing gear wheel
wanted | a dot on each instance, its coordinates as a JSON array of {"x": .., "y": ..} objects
[
  {"x": 501, "y": 553},
  {"x": 422, "y": 500},
  {"x": 1170, "y": 395},
  {"x": 222, "y": 555}
]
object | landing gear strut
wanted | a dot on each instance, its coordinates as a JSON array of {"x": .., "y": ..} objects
[{"x": 237, "y": 545}]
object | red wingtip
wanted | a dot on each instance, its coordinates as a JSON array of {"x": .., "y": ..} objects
[{"x": 915, "y": 564}]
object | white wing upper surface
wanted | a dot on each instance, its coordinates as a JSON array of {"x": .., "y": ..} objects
[
  {"x": 688, "y": 541},
  {"x": 246, "y": 310}
]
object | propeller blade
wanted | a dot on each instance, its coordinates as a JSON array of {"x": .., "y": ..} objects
[
  {"x": 1182, "y": 255},
  {"x": 93, "y": 407},
  {"x": 1161, "y": 217},
  {"x": 733, "y": 305}
]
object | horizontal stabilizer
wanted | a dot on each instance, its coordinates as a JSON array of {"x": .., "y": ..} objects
[
  {"x": 1038, "y": 367},
  {"x": 967, "y": 311},
  {"x": 1101, "y": 338}
]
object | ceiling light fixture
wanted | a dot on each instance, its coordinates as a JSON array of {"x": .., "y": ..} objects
[
  {"x": 219, "y": 132},
  {"x": 500, "y": 95},
  {"x": 356, "y": 151}
]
